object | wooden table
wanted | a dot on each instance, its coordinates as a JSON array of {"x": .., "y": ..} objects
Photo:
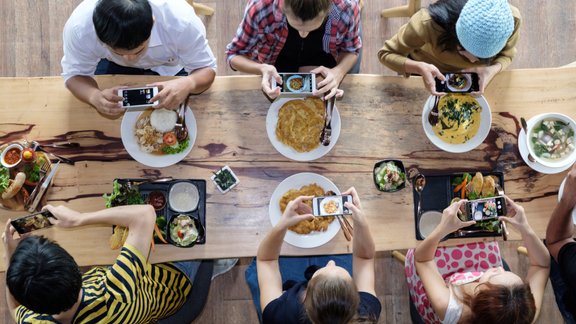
[{"x": 381, "y": 118}]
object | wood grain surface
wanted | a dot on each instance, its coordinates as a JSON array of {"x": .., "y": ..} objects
[{"x": 381, "y": 118}]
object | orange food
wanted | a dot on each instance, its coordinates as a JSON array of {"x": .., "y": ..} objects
[
  {"x": 12, "y": 156},
  {"x": 319, "y": 224}
]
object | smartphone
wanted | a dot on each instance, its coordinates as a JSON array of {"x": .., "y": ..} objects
[
  {"x": 462, "y": 82},
  {"x": 32, "y": 222},
  {"x": 331, "y": 205},
  {"x": 138, "y": 97},
  {"x": 301, "y": 83},
  {"x": 486, "y": 208}
]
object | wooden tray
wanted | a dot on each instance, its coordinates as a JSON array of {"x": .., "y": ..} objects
[{"x": 17, "y": 202}]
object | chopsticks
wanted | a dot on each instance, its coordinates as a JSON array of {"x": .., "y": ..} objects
[{"x": 347, "y": 228}]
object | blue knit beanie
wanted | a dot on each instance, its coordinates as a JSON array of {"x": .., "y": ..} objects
[{"x": 484, "y": 26}]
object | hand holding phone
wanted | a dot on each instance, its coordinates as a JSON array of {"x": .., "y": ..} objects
[
  {"x": 32, "y": 222},
  {"x": 486, "y": 208},
  {"x": 138, "y": 97},
  {"x": 461, "y": 82},
  {"x": 296, "y": 83},
  {"x": 331, "y": 205}
]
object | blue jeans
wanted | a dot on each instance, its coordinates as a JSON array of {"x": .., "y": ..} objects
[
  {"x": 108, "y": 67},
  {"x": 189, "y": 268},
  {"x": 562, "y": 291},
  {"x": 293, "y": 268}
]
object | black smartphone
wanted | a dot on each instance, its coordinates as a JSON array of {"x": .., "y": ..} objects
[
  {"x": 486, "y": 208},
  {"x": 303, "y": 83},
  {"x": 462, "y": 82},
  {"x": 331, "y": 205},
  {"x": 138, "y": 97},
  {"x": 32, "y": 222}
]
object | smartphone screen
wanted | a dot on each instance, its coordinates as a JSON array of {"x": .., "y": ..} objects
[
  {"x": 298, "y": 82},
  {"x": 488, "y": 208},
  {"x": 32, "y": 222},
  {"x": 137, "y": 97},
  {"x": 330, "y": 205},
  {"x": 458, "y": 82}
]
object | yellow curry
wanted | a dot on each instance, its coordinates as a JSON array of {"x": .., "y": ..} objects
[{"x": 458, "y": 118}]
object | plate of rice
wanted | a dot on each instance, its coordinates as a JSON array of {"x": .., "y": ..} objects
[{"x": 149, "y": 136}]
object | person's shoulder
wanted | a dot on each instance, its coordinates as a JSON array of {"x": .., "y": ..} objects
[
  {"x": 174, "y": 15},
  {"x": 516, "y": 13},
  {"x": 370, "y": 306},
  {"x": 80, "y": 21}
]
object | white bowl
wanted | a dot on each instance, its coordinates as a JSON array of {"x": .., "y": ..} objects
[
  {"x": 474, "y": 142},
  {"x": 534, "y": 121},
  {"x": 8, "y": 148}
]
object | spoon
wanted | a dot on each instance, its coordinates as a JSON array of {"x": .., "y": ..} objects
[
  {"x": 419, "y": 182},
  {"x": 525, "y": 128},
  {"x": 433, "y": 114}
]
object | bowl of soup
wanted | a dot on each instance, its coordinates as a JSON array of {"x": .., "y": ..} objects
[{"x": 550, "y": 139}]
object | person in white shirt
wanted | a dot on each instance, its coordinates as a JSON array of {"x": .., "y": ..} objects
[{"x": 160, "y": 37}]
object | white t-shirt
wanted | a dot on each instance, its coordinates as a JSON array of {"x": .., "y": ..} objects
[{"x": 178, "y": 40}]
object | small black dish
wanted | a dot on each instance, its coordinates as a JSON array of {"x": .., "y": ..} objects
[
  {"x": 197, "y": 223},
  {"x": 400, "y": 166}
]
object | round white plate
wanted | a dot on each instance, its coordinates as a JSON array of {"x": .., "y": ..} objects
[
  {"x": 560, "y": 191},
  {"x": 287, "y": 151},
  {"x": 474, "y": 142},
  {"x": 523, "y": 148},
  {"x": 153, "y": 160},
  {"x": 296, "y": 181}
]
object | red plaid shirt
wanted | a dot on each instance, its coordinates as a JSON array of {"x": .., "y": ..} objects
[{"x": 264, "y": 30}]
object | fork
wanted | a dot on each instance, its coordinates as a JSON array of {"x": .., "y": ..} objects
[
  {"x": 38, "y": 147},
  {"x": 180, "y": 127},
  {"x": 327, "y": 130},
  {"x": 433, "y": 114},
  {"x": 44, "y": 168}
]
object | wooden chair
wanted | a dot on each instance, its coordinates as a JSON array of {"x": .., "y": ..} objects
[
  {"x": 399, "y": 256},
  {"x": 201, "y": 9},
  {"x": 406, "y": 10}
]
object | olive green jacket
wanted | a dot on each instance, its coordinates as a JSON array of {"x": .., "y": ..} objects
[{"x": 419, "y": 40}]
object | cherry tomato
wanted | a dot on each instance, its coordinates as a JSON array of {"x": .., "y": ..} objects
[
  {"x": 180, "y": 234},
  {"x": 170, "y": 139}
]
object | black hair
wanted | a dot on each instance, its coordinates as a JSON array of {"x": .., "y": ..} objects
[
  {"x": 43, "y": 277},
  {"x": 445, "y": 13},
  {"x": 307, "y": 9},
  {"x": 123, "y": 24}
]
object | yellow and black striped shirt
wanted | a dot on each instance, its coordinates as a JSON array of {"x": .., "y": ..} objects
[{"x": 131, "y": 291}]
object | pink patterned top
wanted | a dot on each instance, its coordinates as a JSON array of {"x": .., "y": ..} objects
[{"x": 458, "y": 265}]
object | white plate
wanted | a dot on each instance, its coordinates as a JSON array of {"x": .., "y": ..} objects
[
  {"x": 297, "y": 181},
  {"x": 287, "y": 151},
  {"x": 560, "y": 191},
  {"x": 474, "y": 142},
  {"x": 523, "y": 148},
  {"x": 428, "y": 222},
  {"x": 130, "y": 141}
]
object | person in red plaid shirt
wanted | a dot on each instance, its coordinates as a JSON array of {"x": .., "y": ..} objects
[{"x": 320, "y": 36}]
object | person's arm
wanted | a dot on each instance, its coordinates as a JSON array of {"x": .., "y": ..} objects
[
  {"x": 269, "y": 278},
  {"x": 268, "y": 72},
  {"x": 139, "y": 219},
  {"x": 538, "y": 255},
  {"x": 363, "y": 248},
  {"x": 436, "y": 289},
  {"x": 86, "y": 89},
  {"x": 560, "y": 229}
]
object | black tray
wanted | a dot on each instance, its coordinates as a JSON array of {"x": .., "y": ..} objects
[
  {"x": 437, "y": 195},
  {"x": 200, "y": 212}
]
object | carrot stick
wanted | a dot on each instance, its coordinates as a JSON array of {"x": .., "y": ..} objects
[
  {"x": 462, "y": 184},
  {"x": 463, "y": 194},
  {"x": 159, "y": 233}
]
